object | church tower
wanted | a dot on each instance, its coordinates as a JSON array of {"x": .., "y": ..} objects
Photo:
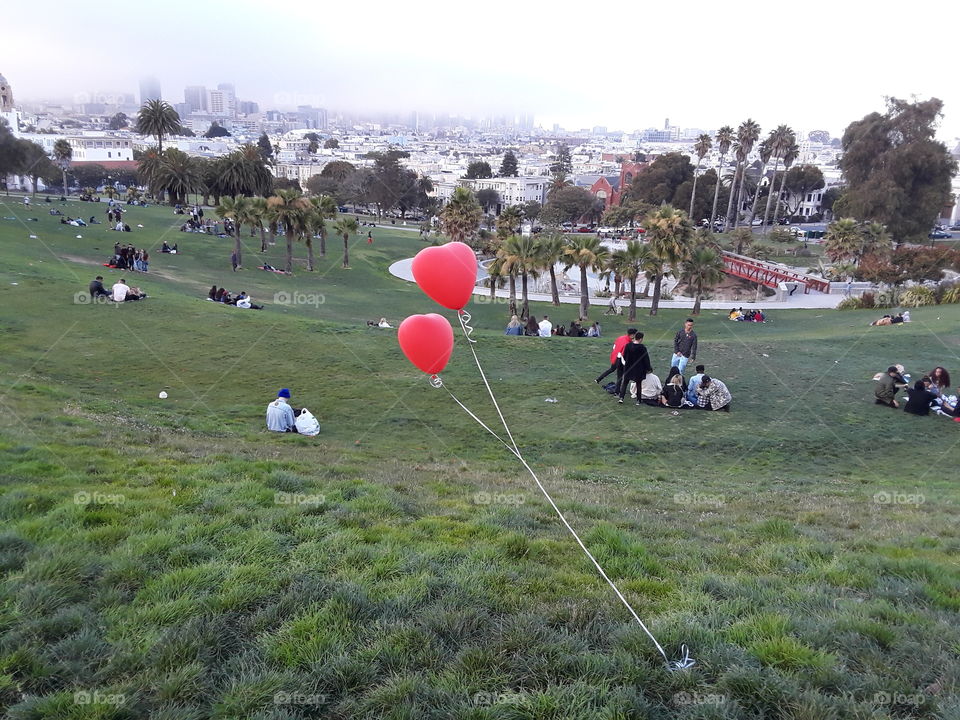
[{"x": 6, "y": 95}]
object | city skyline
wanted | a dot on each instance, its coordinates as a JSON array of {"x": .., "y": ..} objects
[{"x": 511, "y": 60}]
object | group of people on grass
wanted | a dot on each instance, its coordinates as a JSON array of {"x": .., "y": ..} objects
[
  {"x": 120, "y": 292},
  {"x": 901, "y": 317},
  {"x": 742, "y": 315},
  {"x": 545, "y": 328},
  {"x": 928, "y": 394},
  {"x": 630, "y": 361},
  {"x": 242, "y": 300},
  {"x": 127, "y": 257}
]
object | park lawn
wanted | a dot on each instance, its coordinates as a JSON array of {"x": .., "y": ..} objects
[{"x": 172, "y": 559}]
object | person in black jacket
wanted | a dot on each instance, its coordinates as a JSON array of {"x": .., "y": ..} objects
[
  {"x": 920, "y": 398},
  {"x": 636, "y": 362},
  {"x": 97, "y": 289}
]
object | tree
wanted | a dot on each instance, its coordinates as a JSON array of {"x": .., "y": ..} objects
[
  {"x": 531, "y": 210},
  {"x": 11, "y": 153},
  {"x": 392, "y": 182},
  {"x": 508, "y": 166},
  {"x": 829, "y": 199},
  {"x": 488, "y": 198},
  {"x": 509, "y": 222},
  {"x": 119, "y": 121},
  {"x": 658, "y": 182},
  {"x": 636, "y": 260},
  {"x": 790, "y": 154},
  {"x": 741, "y": 239},
  {"x": 177, "y": 175},
  {"x": 782, "y": 139},
  {"x": 550, "y": 249},
  {"x": 265, "y": 147},
  {"x": 701, "y": 148},
  {"x": 157, "y": 117},
  {"x": 324, "y": 208},
  {"x": 521, "y": 257},
  {"x": 289, "y": 208},
  {"x": 239, "y": 210},
  {"x": 897, "y": 174},
  {"x": 819, "y": 136},
  {"x": 724, "y": 140},
  {"x": 701, "y": 270},
  {"x": 34, "y": 162},
  {"x": 564, "y": 163},
  {"x": 62, "y": 154},
  {"x": 216, "y": 130},
  {"x": 460, "y": 217},
  {"x": 338, "y": 170},
  {"x": 257, "y": 216},
  {"x": 747, "y": 134},
  {"x": 479, "y": 169},
  {"x": 331, "y": 143},
  {"x": 766, "y": 152},
  {"x": 558, "y": 181},
  {"x": 800, "y": 181},
  {"x": 670, "y": 234},
  {"x": 570, "y": 203},
  {"x": 346, "y": 226},
  {"x": 586, "y": 252}
]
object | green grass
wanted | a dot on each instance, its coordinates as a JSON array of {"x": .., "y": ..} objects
[{"x": 220, "y": 571}]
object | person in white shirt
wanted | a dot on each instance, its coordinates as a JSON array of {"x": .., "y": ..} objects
[
  {"x": 383, "y": 323},
  {"x": 650, "y": 390},
  {"x": 120, "y": 290},
  {"x": 280, "y": 417},
  {"x": 546, "y": 327}
]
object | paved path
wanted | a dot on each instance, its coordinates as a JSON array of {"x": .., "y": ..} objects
[{"x": 401, "y": 269}]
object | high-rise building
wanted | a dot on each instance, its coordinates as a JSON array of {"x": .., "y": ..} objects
[
  {"x": 149, "y": 89},
  {"x": 314, "y": 118},
  {"x": 195, "y": 97},
  {"x": 247, "y": 107},
  {"x": 222, "y": 101}
]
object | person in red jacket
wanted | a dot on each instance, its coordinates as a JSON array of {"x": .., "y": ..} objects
[{"x": 615, "y": 364}]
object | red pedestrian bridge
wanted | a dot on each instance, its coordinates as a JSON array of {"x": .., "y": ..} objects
[{"x": 769, "y": 274}]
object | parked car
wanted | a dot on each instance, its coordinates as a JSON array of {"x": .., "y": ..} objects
[
  {"x": 955, "y": 227},
  {"x": 584, "y": 229},
  {"x": 939, "y": 235}
]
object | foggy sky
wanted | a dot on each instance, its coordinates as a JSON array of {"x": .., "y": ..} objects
[{"x": 623, "y": 65}]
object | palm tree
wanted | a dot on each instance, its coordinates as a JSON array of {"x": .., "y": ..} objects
[
  {"x": 586, "y": 252},
  {"x": 258, "y": 214},
  {"x": 790, "y": 153},
  {"x": 783, "y": 138},
  {"x": 702, "y": 270},
  {"x": 325, "y": 208},
  {"x": 239, "y": 210},
  {"x": 157, "y": 117},
  {"x": 110, "y": 191},
  {"x": 701, "y": 148},
  {"x": 62, "y": 154},
  {"x": 511, "y": 217},
  {"x": 551, "y": 249},
  {"x": 520, "y": 257},
  {"x": 635, "y": 259},
  {"x": 766, "y": 152},
  {"x": 290, "y": 208},
  {"x": 741, "y": 239},
  {"x": 558, "y": 181},
  {"x": 178, "y": 175},
  {"x": 843, "y": 240},
  {"x": 747, "y": 135},
  {"x": 495, "y": 273},
  {"x": 346, "y": 226},
  {"x": 460, "y": 217},
  {"x": 875, "y": 240},
  {"x": 724, "y": 140},
  {"x": 670, "y": 234}
]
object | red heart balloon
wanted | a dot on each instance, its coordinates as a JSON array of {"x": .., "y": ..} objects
[
  {"x": 447, "y": 273},
  {"x": 427, "y": 341}
]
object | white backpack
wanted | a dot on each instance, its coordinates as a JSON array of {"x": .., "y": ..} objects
[{"x": 307, "y": 424}]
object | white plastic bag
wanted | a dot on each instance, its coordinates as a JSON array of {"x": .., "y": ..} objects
[{"x": 307, "y": 424}]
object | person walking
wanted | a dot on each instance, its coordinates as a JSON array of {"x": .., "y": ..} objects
[
  {"x": 636, "y": 365},
  {"x": 615, "y": 365},
  {"x": 684, "y": 346}
]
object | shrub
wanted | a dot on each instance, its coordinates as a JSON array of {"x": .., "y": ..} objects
[
  {"x": 918, "y": 296},
  {"x": 868, "y": 300},
  {"x": 780, "y": 235},
  {"x": 951, "y": 296},
  {"x": 850, "y": 303}
]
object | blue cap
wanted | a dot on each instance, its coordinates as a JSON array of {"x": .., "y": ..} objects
[{"x": 284, "y": 393}]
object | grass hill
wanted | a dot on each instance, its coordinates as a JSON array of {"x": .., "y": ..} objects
[{"x": 172, "y": 559}]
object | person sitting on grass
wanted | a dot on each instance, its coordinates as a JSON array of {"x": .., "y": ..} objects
[
  {"x": 383, "y": 323},
  {"x": 532, "y": 328},
  {"x": 887, "y": 386},
  {"x": 594, "y": 330},
  {"x": 673, "y": 394},
  {"x": 694, "y": 382},
  {"x": 715, "y": 393},
  {"x": 919, "y": 398},
  {"x": 120, "y": 290},
  {"x": 280, "y": 416},
  {"x": 939, "y": 380},
  {"x": 97, "y": 289},
  {"x": 514, "y": 327},
  {"x": 650, "y": 390}
]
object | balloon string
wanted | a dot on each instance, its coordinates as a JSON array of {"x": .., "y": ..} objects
[
  {"x": 437, "y": 382},
  {"x": 686, "y": 661}
]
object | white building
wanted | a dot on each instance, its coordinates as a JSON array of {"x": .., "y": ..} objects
[
  {"x": 89, "y": 146},
  {"x": 514, "y": 190}
]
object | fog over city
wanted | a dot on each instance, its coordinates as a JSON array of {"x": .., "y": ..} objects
[{"x": 620, "y": 65}]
